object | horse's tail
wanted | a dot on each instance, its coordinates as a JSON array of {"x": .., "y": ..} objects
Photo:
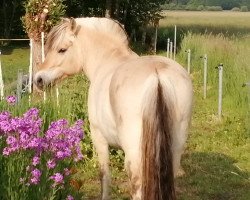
[{"x": 157, "y": 166}]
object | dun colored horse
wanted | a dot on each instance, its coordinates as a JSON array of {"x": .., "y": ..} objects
[{"x": 141, "y": 104}]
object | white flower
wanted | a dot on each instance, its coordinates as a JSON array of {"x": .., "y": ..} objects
[{"x": 45, "y": 10}]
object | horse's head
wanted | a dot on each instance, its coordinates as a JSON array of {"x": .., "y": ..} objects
[{"x": 62, "y": 54}]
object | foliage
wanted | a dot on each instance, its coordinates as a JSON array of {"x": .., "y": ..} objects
[
  {"x": 45, "y": 158},
  {"x": 236, "y": 9},
  {"x": 243, "y": 9},
  {"x": 41, "y": 16}
]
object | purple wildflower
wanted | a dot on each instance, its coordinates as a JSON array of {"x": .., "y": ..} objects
[
  {"x": 58, "y": 178},
  {"x": 35, "y": 178},
  {"x": 11, "y": 100},
  {"x": 51, "y": 164},
  {"x": 6, "y": 151},
  {"x": 35, "y": 160},
  {"x": 69, "y": 197}
]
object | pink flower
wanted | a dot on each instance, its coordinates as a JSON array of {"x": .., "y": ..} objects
[
  {"x": 51, "y": 164},
  {"x": 69, "y": 197},
  {"x": 11, "y": 100},
  {"x": 35, "y": 160},
  {"x": 35, "y": 178},
  {"x": 58, "y": 178}
]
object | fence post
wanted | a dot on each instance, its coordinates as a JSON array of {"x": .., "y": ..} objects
[
  {"x": 1, "y": 79},
  {"x": 188, "y": 60},
  {"x": 175, "y": 32},
  {"x": 171, "y": 50},
  {"x": 205, "y": 77},
  {"x": 168, "y": 47},
  {"x": 19, "y": 85},
  {"x": 43, "y": 58},
  {"x": 220, "y": 69},
  {"x": 30, "y": 70}
]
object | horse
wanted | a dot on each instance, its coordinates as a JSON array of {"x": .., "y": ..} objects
[{"x": 141, "y": 104}]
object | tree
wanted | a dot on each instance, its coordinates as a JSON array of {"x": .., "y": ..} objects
[
  {"x": 10, "y": 12},
  {"x": 40, "y": 17}
]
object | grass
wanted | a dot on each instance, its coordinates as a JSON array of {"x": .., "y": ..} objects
[
  {"x": 226, "y": 22},
  {"x": 217, "y": 157}
]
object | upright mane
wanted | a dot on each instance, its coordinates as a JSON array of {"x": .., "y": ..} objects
[{"x": 103, "y": 25}]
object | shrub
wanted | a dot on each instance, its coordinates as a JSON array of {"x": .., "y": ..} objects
[
  {"x": 244, "y": 9},
  {"x": 201, "y": 7},
  {"x": 190, "y": 7},
  {"x": 236, "y": 9},
  {"x": 214, "y": 8}
]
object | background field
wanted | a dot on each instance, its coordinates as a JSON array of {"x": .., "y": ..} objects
[{"x": 217, "y": 157}]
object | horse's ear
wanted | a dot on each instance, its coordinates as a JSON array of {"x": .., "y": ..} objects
[{"x": 73, "y": 24}]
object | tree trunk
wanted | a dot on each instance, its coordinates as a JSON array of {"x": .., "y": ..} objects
[
  {"x": 144, "y": 34},
  {"x": 37, "y": 59},
  {"x": 117, "y": 8},
  {"x": 108, "y": 8},
  {"x": 8, "y": 17}
]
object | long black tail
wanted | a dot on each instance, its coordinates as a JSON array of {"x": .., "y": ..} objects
[{"x": 157, "y": 166}]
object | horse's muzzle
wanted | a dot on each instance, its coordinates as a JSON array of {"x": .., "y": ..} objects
[{"x": 39, "y": 82}]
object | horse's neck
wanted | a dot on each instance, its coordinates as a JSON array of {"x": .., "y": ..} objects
[{"x": 99, "y": 51}]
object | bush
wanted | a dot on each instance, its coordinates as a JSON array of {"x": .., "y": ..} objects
[
  {"x": 201, "y": 7},
  {"x": 244, "y": 9},
  {"x": 190, "y": 7},
  {"x": 214, "y": 8},
  {"x": 236, "y": 9}
]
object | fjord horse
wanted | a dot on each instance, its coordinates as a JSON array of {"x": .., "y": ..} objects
[{"x": 141, "y": 104}]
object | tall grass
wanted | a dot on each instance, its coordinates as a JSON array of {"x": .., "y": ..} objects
[{"x": 233, "y": 53}]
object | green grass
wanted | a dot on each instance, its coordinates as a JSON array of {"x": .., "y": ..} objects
[
  {"x": 217, "y": 157},
  {"x": 229, "y": 23}
]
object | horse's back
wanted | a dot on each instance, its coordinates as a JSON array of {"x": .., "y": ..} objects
[{"x": 131, "y": 84}]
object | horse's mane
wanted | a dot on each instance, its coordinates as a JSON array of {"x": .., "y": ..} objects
[{"x": 103, "y": 25}]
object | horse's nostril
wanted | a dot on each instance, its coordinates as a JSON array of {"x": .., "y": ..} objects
[{"x": 39, "y": 82}]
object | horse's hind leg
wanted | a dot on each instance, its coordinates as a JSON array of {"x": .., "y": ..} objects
[
  {"x": 102, "y": 150},
  {"x": 132, "y": 159},
  {"x": 179, "y": 140}
]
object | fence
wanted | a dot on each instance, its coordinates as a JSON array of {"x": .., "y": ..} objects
[{"x": 24, "y": 82}]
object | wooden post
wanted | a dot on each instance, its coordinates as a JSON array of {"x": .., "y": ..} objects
[
  {"x": 1, "y": 79},
  {"x": 19, "y": 85},
  {"x": 175, "y": 32},
  {"x": 220, "y": 69}
]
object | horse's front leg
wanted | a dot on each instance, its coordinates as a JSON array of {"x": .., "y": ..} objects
[{"x": 102, "y": 150}]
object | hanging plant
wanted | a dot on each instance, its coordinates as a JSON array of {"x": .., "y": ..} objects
[{"x": 41, "y": 15}]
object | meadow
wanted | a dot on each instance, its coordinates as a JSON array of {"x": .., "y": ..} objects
[{"x": 217, "y": 156}]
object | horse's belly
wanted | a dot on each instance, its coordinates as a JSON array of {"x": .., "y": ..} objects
[{"x": 109, "y": 132}]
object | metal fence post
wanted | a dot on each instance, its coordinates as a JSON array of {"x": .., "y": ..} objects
[
  {"x": 171, "y": 50},
  {"x": 168, "y": 47},
  {"x": 188, "y": 60},
  {"x": 205, "y": 77},
  {"x": 220, "y": 69}
]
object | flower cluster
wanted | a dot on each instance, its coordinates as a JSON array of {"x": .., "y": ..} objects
[
  {"x": 61, "y": 141},
  {"x": 11, "y": 100}
]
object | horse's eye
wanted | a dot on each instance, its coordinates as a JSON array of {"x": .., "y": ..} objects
[{"x": 62, "y": 50}]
